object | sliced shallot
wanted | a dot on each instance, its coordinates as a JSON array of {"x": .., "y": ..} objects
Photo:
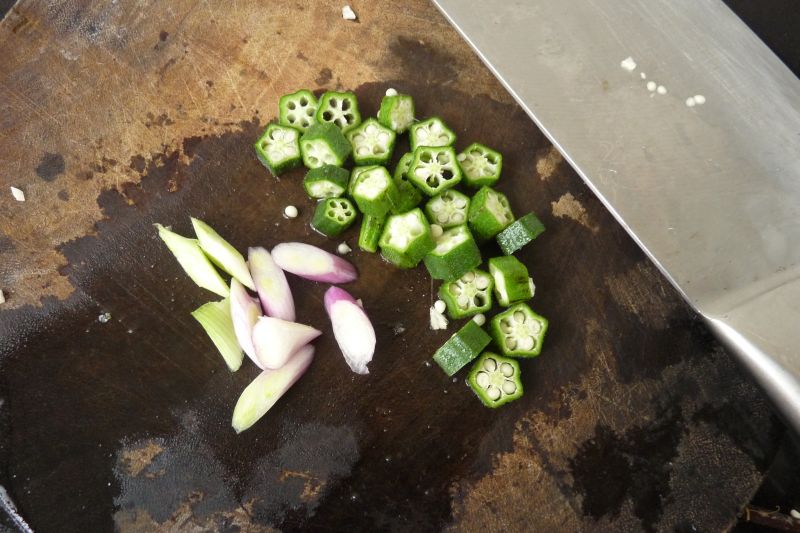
[
  {"x": 313, "y": 263},
  {"x": 270, "y": 280},
  {"x": 264, "y": 391},
  {"x": 244, "y": 313},
  {"x": 351, "y": 327},
  {"x": 275, "y": 340}
]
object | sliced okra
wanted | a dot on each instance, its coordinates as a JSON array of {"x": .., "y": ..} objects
[
  {"x": 448, "y": 209},
  {"x": 519, "y": 332},
  {"x": 481, "y": 165},
  {"x": 375, "y": 192},
  {"x": 333, "y": 215},
  {"x": 370, "y": 234},
  {"x": 298, "y": 109},
  {"x": 511, "y": 281},
  {"x": 489, "y": 214},
  {"x": 372, "y": 143},
  {"x": 401, "y": 170},
  {"x": 406, "y": 239},
  {"x": 324, "y": 144},
  {"x": 327, "y": 181},
  {"x": 278, "y": 148},
  {"x": 464, "y": 346},
  {"x": 455, "y": 253},
  {"x": 468, "y": 295},
  {"x": 340, "y": 109},
  {"x": 431, "y": 132},
  {"x": 495, "y": 379},
  {"x": 434, "y": 169},
  {"x": 354, "y": 177},
  {"x": 409, "y": 197},
  {"x": 397, "y": 112},
  {"x": 519, "y": 233}
]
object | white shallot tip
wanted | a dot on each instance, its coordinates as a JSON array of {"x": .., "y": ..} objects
[
  {"x": 348, "y": 13},
  {"x": 290, "y": 211},
  {"x": 479, "y": 319},
  {"x": 343, "y": 249},
  {"x": 17, "y": 194}
]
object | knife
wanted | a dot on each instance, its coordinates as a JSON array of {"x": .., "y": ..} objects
[{"x": 687, "y": 127}]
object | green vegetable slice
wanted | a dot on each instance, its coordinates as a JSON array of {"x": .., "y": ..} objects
[
  {"x": 372, "y": 143},
  {"x": 448, "y": 209},
  {"x": 215, "y": 317},
  {"x": 327, "y": 181},
  {"x": 324, "y": 144},
  {"x": 333, "y": 215},
  {"x": 408, "y": 195},
  {"x": 519, "y": 332},
  {"x": 222, "y": 253},
  {"x": 406, "y": 239},
  {"x": 397, "y": 112},
  {"x": 431, "y": 132},
  {"x": 489, "y": 214},
  {"x": 375, "y": 192},
  {"x": 354, "y": 174},
  {"x": 519, "y": 233},
  {"x": 495, "y": 379},
  {"x": 481, "y": 165},
  {"x": 468, "y": 295},
  {"x": 340, "y": 109},
  {"x": 434, "y": 169},
  {"x": 464, "y": 346},
  {"x": 194, "y": 262},
  {"x": 455, "y": 253},
  {"x": 370, "y": 234},
  {"x": 511, "y": 281},
  {"x": 298, "y": 109},
  {"x": 278, "y": 148}
]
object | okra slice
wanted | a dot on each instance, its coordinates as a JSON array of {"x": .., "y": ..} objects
[
  {"x": 333, "y": 215},
  {"x": 397, "y": 112},
  {"x": 372, "y": 143},
  {"x": 464, "y": 346},
  {"x": 409, "y": 196},
  {"x": 324, "y": 144},
  {"x": 489, "y": 214},
  {"x": 448, "y": 209},
  {"x": 481, "y": 165},
  {"x": 455, "y": 253},
  {"x": 495, "y": 379},
  {"x": 375, "y": 192},
  {"x": 340, "y": 109},
  {"x": 468, "y": 295},
  {"x": 298, "y": 109},
  {"x": 327, "y": 181},
  {"x": 278, "y": 148},
  {"x": 519, "y": 233},
  {"x": 406, "y": 239},
  {"x": 370, "y": 234},
  {"x": 519, "y": 332},
  {"x": 354, "y": 177},
  {"x": 434, "y": 169},
  {"x": 431, "y": 132},
  {"x": 511, "y": 281}
]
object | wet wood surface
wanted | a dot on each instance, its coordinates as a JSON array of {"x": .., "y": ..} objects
[{"x": 117, "y": 115}]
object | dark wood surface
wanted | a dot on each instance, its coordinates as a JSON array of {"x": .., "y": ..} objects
[{"x": 115, "y": 116}]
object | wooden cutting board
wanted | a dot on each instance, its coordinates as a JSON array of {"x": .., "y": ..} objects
[{"x": 116, "y": 115}]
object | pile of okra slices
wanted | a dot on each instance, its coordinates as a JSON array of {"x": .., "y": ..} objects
[{"x": 444, "y": 234}]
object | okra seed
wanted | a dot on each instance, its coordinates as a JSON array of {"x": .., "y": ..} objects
[
  {"x": 482, "y": 378},
  {"x": 291, "y": 117},
  {"x": 511, "y": 342},
  {"x": 526, "y": 343},
  {"x": 309, "y": 112},
  {"x": 462, "y": 301},
  {"x": 509, "y": 387},
  {"x": 479, "y": 319},
  {"x": 507, "y": 369},
  {"x": 461, "y": 157},
  {"x": 481, "y": 283},
  {"x": 303, "y": 102},
  {"x": 345, "y": 105},
  {"x": 370, "y": 129},
  {"x": 490, "y": 364},
  {"x": 494, "y": 393},
  {"x": 469, "y": 276},
  {"x": 519, "y": 316}
]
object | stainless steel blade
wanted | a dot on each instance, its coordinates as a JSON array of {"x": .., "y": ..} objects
[{"x": 710, "y": 192}]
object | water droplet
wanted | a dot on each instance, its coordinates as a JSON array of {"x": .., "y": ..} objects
[
  {"x": 388, "y": 459},
  {"x": 354, "y": 497},
  {"x": 445, "y": 391},
  {"x": 427, "y": 363},
  {"x": 130, "y": 330},
  {"x": 455, "y": 380}
]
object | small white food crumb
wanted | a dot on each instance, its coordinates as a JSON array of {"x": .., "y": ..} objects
[
  {"x": 2, "y": 297},
  {"x": 661, "y": 89},
  {"x": 348, "y": 13},
  {"x": 105, "y": 317},
  {"x": 290, "y": 211},
  {"x": 699, "y": 99},
  {"x": 17, "y": 194},
  {"x": 438, "y": 320},
  {"x": 628, "y": 64},
  {"x": 343, "y": 249},
  {"x": 479, "y": 319},
  {"x": 436, "y": 231},
  {"x": 651, "y": 86},
  {"x": 794, "y": 513},
  {"x": 440, "y": 306},
  {"x": 690, "y": 102},
  {"x": 391, "y": 92},
  {"x": 643, "y": 75}
]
